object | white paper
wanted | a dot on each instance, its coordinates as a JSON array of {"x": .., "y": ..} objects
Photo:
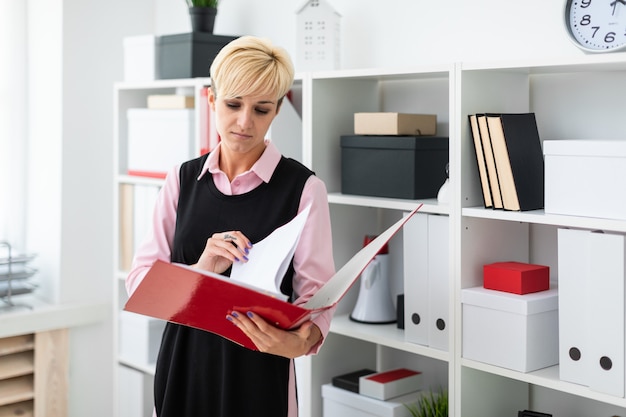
[{"x": 269, "y": 259}]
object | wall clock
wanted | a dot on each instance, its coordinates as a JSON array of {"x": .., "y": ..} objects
[{"x": 597, "y": 25}]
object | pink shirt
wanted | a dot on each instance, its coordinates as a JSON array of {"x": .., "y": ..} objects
[{"x": 313, "y": 258}]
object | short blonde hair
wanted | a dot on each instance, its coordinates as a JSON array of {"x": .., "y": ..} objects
[{"x": 251, "y": 66}]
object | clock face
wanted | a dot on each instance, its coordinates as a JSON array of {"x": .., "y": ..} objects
[{"x": 597, "y": 25}]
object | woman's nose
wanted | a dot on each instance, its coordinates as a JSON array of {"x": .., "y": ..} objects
[{"x": 245, "y": 118}]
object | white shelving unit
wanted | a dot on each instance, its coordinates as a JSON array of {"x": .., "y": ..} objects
[{"x": 572, "y": 99}]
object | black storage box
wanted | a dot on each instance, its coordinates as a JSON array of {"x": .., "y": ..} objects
[
  {"x": 350, "y": 381},
  {"x": 188, "y": 55},
  {"x": 410, "y": 167}
]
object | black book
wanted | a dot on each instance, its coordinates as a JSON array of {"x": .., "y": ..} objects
[
  {"x": 350, "y": 381},
  {"x": 519, "y": 160}
]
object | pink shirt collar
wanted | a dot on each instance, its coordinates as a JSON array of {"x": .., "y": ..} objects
[{"x": 261, "y": 171}]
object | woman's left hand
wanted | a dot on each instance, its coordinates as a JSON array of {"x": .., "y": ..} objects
[{"x": 271, "y": 339}]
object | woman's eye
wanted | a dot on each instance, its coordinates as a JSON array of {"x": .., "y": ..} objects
[
  {"x": 232, "y": 105},
  {"x": 262, "y": 111}
]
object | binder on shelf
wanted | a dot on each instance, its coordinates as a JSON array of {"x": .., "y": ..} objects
[
  {"x": 592, "y": 268},
  {"x": 490, "y": 163},
  {"x": 126, "y": 215},
  {"x": 416, "y": 299},
  {"x": 209, "y": 138},
  {"x": 179, "y": 294},
  {"x": 518, "y": 158},
  {"x": 480, "y": 161},
  {"x": 439, "y": 281}
]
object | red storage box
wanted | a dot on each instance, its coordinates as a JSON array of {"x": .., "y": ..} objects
[{"x": 516, "y": 277}]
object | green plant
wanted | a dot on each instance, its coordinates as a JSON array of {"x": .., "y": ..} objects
[
  {"x": 430, "y": 405},
  {"x": 202, "y": 3}
]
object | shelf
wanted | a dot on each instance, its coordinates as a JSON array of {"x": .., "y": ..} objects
[
  {"x": 430, "y": 205},
  {"x": 548, "y": 378},
  {"x": 17, "y": 364},
  {"x": 136, "y": 180},
  {"x": 17, "y": 344},
  {"x": 383, "y": 334},
  {"x": 146, "y": 368},
  {"x": 21, "y": 409},
  {"x": 16, "y": 390},
  {"x": 540, "y": 217}
]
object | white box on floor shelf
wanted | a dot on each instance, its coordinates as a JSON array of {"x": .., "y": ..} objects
[
  {"x": 140, "y": 338},
  {"x": 140, "y": 58},
  {"x": 159, "y": 139},
  {"x": 585, "y": 178},
  {"x": 135, "y": 393},
  {"x": 518, "y": 332},
  {"x": 338, "y": 402}
]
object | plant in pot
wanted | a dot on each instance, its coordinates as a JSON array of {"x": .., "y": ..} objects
[
  {"x": 202, "y": 14},
  {"x": 430, "y": 405}
]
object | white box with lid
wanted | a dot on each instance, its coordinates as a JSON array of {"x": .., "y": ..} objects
[
  {"x": 585, "y": 178},
  {"x": 339, "y": 402},
  {"x": 518, "y": 332},
  {"x": 140, "y": 338},
  {"x": 140, "y": 58}
]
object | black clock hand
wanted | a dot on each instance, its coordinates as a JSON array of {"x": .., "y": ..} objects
[{"x": 614, "y": 4}]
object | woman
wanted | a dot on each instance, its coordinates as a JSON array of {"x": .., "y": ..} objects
[{"x": 210, "y": 212}]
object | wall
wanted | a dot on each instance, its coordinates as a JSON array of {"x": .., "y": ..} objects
[{"x": 401, "y": 33}]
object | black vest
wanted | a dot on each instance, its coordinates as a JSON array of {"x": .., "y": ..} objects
[{"x": 199, "y": 373}]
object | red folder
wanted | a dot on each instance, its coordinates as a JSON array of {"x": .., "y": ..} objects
[{"x": 202, "y": 299}]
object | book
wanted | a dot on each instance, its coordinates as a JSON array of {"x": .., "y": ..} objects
[
  {"x": 180, "y": 294},
  {"x": 389, "y": 384},
  {"x": 350, "y": 381},
  {"x": 209, "y": 138},
  {"x": 480, "y": 160},
  {"x": 126, "y": 221},
  {"x": 519, "y": 160},
  {"x": 170, "y": 101},
  {"x": 490, "y": 163}
]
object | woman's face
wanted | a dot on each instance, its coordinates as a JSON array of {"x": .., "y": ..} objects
[{"x": 242, "y": 122}]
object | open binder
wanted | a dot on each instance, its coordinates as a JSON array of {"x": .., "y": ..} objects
[{"x": 202, "y": 299}]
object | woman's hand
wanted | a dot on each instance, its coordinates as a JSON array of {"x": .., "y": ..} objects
[
  {"x": 270, "y": 339},
  {"x": 222, "y": 249}
]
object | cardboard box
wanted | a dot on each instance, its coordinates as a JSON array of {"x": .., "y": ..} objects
[
  {"x": 339, "y": 402},
  {"x": 159, "y": 139},
  {"x": 516, "y": 277},
  {"x": 140, "y": 338},
  {"x": 585, "y": 178},
  {"x": 140, "y": 58},
  {"x": 410, "y": 167},
  {"x": 188, "y": 55},
  {"x": 395, "y": 124},
  {"x": 518, "y": 332},
  {"x": 390, "y": 384}
]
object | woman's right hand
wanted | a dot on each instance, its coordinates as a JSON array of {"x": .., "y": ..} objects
[{"x": 222, "y": 249}]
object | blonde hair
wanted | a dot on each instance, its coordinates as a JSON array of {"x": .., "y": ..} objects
[{"x": 251, "y": 66}]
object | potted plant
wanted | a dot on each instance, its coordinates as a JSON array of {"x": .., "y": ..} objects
[
  {"x": 202, "y": 14},
  {"x": 430, "y": 405}
]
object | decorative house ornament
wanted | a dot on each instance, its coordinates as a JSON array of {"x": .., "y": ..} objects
[{"x": 318, "y": 33}]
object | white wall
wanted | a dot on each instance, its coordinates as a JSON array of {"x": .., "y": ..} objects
[{"x": 397, "y": 33}]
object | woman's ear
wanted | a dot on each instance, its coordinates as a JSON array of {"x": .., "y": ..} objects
[{"x": 211, "y": 98}]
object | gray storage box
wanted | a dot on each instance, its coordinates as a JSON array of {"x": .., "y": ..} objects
[
  {"x": 410, "y": 167},
  {"x": 188, "y": 55}
]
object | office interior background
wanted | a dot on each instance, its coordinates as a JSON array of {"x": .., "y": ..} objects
[{"x": 60, "y": 58}]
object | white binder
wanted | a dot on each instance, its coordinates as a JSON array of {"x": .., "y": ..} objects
[
  {"x": 439, "y": 281},
  {"x": 415, "y": 254},
  {"x": 592, "y": 268},
  {"x": 573, "y": 337}
]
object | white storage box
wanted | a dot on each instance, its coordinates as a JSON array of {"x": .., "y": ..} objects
[
  {"x": 140, "y": 58},
  {"x": 159, "y": 139},
  {"x": 140, "y": 338},
  {"x": 518, "y": 332},
  {"x": 585, "y": 178},
  {"x": 135, "y": 393},
  {"x": 339, "y": 402}
]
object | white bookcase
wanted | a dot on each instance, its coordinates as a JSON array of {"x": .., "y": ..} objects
[{"x": 573, "y": 99}]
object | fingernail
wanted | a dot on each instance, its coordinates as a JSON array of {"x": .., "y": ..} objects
[
  {"x": 234, "y": 314},
  {"x": 246, "y": 250},
  {"x": 249, "y": 314},
  {"x": 250, "y": 244},
  {"x": 245, "y": 257},
  {"x": 236, "y": 259},
  {"x": 229, "y": 318}
]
